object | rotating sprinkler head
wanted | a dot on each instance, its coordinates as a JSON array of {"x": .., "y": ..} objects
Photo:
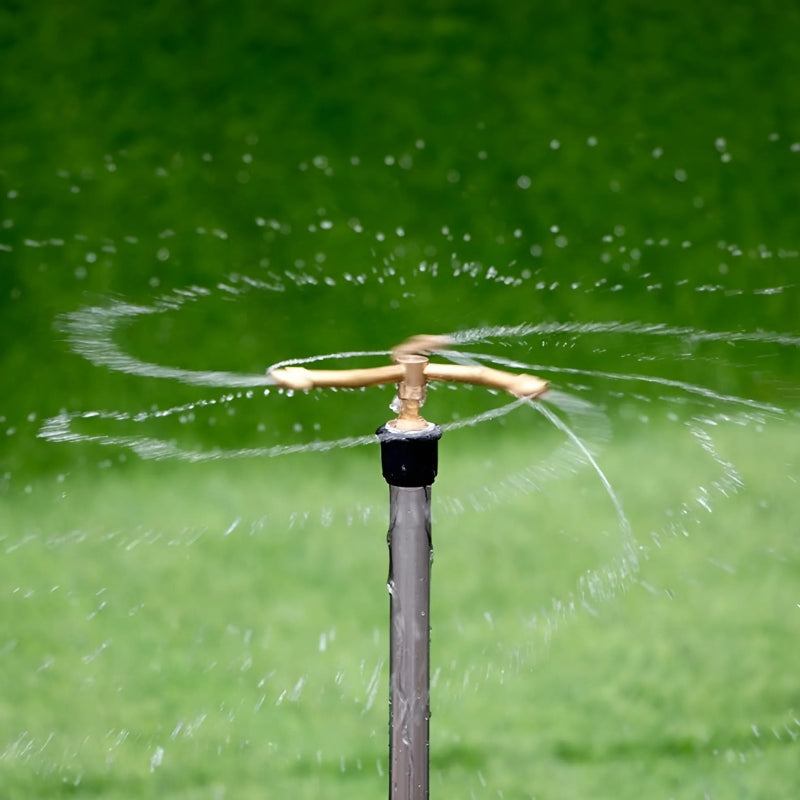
[{"x": 411, "y": 371}]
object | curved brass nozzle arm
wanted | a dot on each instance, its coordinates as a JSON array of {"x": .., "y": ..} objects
[
  {"x": 516, "y": 383},
  {"x": 301, "y": 378},
  {"x": 411, "y": 372}
]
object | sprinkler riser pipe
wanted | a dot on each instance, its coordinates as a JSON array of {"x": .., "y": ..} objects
[
  {"x": 410, "y": 461},
  {"x": 410, "y": 555}
]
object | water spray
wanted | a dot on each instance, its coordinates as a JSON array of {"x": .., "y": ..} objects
[{"x": 409, "y": 461}]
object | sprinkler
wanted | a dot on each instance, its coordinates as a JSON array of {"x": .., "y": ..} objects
[{"x": 409, "y": 460}]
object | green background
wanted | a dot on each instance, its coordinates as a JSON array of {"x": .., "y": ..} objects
[{"x": 617, "y": 162}]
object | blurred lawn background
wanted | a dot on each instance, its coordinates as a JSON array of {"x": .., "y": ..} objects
[{"x": 219, "y": 629}]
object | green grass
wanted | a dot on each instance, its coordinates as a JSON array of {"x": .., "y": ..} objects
[{"x": 152, "y": 648}]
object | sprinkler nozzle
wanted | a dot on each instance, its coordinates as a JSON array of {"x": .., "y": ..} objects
[{"x": 421, "y": 345}]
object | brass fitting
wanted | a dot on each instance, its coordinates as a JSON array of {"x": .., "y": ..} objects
[{"x": 411, "y": 393}]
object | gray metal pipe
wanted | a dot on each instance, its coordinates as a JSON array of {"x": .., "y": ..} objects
[
  {"x": 410, "y": 556},
  {"x": 410, "y": 462}
]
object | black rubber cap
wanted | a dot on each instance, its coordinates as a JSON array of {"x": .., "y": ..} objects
[{"x": 409, "y": 458}]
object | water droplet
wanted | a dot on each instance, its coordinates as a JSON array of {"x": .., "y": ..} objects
[{"x": 157, "y": 759}]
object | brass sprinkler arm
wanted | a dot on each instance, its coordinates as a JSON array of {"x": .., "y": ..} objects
[{"x": 410, "y": 372}]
